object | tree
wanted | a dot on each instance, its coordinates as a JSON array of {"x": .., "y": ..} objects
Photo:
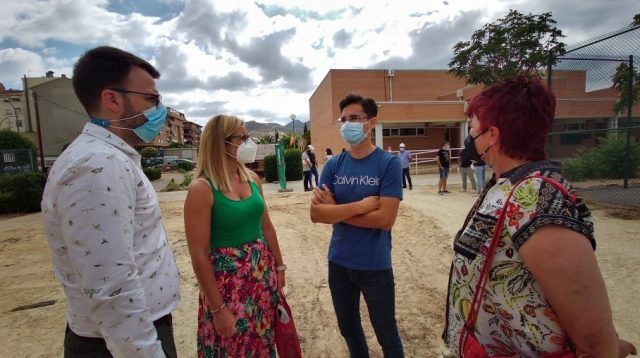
[
  {"x": 621, "y": 83},
  {"x": 516, "y": 44},
  {"x": 149, "y": 152},
  {"x": 267, "y": 139},
  {"x": 175, "y": 145},
  {"x": 13, "y": 140},
  {"x": 306, "y": 134}
]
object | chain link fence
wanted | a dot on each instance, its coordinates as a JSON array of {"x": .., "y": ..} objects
[
  {"x": 596, "y": 131},
  {"x": 17, "y": 161}
]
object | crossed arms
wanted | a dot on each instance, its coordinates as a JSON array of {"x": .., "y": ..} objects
[{"x": 372, "y": 212}]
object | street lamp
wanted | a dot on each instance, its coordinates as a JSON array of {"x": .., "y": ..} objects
[
  {"x": 293, "y": 127},
  {"x": 293, "y": 124},
  {"x": 15, "y": 111}
]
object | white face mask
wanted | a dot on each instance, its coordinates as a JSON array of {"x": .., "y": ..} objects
[{"x": 246, "y": 151}]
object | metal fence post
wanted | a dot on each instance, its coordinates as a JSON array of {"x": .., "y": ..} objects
[
  {"x": 549, "y": 68},
  {"x": 627, "y": 149}
]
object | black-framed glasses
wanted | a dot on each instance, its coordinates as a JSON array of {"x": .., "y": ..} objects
[
  {"x": 155, "y": 96},
  {"x": 245, "y": 137},
  {"x": 352, "y": 118}
]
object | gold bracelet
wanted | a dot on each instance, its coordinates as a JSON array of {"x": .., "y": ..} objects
[{"x": 219, "y": 308}]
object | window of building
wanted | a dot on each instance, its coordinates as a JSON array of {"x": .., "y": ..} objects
[{"x": 403, "y": 132}]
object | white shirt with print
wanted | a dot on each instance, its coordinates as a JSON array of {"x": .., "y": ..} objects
[{"x": 110, "y": 250}]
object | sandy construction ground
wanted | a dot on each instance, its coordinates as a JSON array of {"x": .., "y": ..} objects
[{"x": 421, "y": 253}]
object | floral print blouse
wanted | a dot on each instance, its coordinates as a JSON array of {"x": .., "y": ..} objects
[{"x": 515, "y": 317}]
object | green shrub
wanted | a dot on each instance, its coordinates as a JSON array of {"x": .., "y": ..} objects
[
  {"x": 186, "y": 166},
  {"x": 152, "y": 173},
  {"x": 172, "y": 186},
  {"x": 187, "y": 178},
  {"x": 293, "y": 162},
  {"x": 21, "y": 193},
  {"x": 606, "y": 161},
  {"x": 270, "y": 168},
  {"x": 12, "y": 140}
]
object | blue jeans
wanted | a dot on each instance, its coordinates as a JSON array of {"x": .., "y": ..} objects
[
  {"x": 314, "y": 171},
  {"x": 480, "y": 177},
  {"x": 378, "y": 289},
  {"x": 444, "y": 172}
]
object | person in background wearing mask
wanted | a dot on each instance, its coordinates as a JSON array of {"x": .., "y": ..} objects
[
  {"x": 443, "y": 160},
  {"x": 233, "y": 246},
  {"x": 360, "y": 196},
  {"x": 103, "y": 220},
  {"x": 405, "y": 161}
]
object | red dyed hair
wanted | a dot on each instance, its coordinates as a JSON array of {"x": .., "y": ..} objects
[{"x": 522, "y": 109}]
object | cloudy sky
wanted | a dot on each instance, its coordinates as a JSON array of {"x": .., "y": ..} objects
[{"x": 262, "y": 59}]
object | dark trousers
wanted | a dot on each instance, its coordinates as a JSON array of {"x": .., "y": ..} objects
[
  {"x": 378, "y": 289},
  {"x": 314, "y": 171},
  {"x": 307, "y": 180},
  {"x": 406, "y": 176},
  {"x": 88, "y": 347}
]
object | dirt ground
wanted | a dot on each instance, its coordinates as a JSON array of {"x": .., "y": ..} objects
[{"x": 421, "y": 252}]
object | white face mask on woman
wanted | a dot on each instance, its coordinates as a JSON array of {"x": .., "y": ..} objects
[{"x": 246, "y": 151}]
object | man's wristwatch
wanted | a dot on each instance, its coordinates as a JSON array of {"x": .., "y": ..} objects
[{"x": 281, "y": 268}]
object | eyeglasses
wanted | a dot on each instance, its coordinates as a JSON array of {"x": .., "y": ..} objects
[
  {"x": 352, "y": 118},
  {"x": 245, "y": 137},
  {"x": 154, "y": 96}
]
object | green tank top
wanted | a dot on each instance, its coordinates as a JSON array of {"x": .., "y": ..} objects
[{"x": 236, "y": 222}]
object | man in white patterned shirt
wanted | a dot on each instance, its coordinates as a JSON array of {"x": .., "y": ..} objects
[{"x": 102, "y": 217}]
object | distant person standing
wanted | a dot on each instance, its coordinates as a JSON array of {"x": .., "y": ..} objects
[
  {"x": 328, "y": 154},
  {"x": 405, "y": 161},
  {"x": 306, "y": 170},
  {"x": 480, "y": 175},
  {"x": 464, "y": 163},
  {"x": 314, "y": 164},
  {"x": 443, "y": 160}
]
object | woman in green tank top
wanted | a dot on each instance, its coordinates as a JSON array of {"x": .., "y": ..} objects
[{"x": 233, "y": 246}]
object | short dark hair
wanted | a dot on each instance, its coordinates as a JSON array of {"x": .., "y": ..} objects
[
  {"x": 104, "y": 67},
  {"x": 523, "y": 109},
  {"x": 369, "y": 106}
]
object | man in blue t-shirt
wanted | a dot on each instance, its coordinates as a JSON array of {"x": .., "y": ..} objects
[{"x": 360, "y": 192}]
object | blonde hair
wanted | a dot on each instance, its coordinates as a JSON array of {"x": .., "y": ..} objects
[{"x": 212, "y": 156}]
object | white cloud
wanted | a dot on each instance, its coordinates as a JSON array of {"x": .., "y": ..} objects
[
  {"x": 16, "y": 62},
  {"x": 261, "y": 59}
]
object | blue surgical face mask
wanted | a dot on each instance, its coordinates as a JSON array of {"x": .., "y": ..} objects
[
  {"x": 353, "y": 132},
  {"x": 155, "y": 116}
]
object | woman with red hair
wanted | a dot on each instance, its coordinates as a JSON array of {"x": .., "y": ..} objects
[{"x": 524, "y": 279}]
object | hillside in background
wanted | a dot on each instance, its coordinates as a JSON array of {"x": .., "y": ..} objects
[{"x": 257, "y": 129}]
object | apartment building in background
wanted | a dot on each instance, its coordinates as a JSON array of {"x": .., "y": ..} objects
[{"x": 49, "y": 113}]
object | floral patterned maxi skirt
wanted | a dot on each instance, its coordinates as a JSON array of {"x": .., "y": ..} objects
[{"x": 246, "y": 278}]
